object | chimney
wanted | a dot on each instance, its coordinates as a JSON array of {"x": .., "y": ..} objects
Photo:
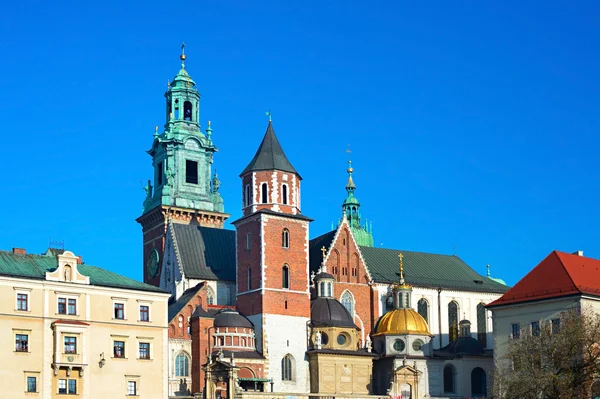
[
  {"x": 79, "y": 260},
  {"x": 578, "y": 253},
  {"x": 19, "y": 251}
]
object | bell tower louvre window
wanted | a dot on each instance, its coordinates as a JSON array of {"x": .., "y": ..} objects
[
  {"x": 187, "y": 111},
  {"x": 191, "y": 172}
]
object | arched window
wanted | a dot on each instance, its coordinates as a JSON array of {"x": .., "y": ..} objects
[
  {"x": 423, "y": 309},
  {"x": 187, "y": 111},
  {"x": 449, "y": 379},
  {"x": 478, "y": 382},
  {"x": 284, "y": 194},
  {"x": 285, "y": 238},
  {"x": 247, "y": 196},
  {"x": 389, "y": 303},
  {"x": 453, "y": 320},
  {"x": 263, "y": 193},
  {"x": 329, "y": 289},
  {"x": 176, "y": 109},
  {"x": 210, "y": 297},
  {"x": 348, "y": 302},
  {"x": 287, "y": 370},
  {"x": 182, "y": 365},
  {"x": 481, "y": 325},
  {"x": 285, "y": 277},
  {"x": 322, "y": 289}
]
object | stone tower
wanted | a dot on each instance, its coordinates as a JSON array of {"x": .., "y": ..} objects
[
  {"x": 184, "y": 188},
  {"x": 272, "y": 264}
]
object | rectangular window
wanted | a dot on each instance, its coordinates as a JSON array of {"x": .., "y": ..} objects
[
  {"x": 62, "y": 386},
  {"x": 159, "y": 178},
  {"x": 21, "y": 343},
  {"x": 119, "y": 349},
  {"x": 131, "y": 388},
  {"x": 72, "y": 306},
  {"x": 191, "y": 172},
  {"x": 516, "y": 331},
  {"x": 70, "y": 345},
  {"x": 119, "y": 311},
  {"x": 62, "y": 305},
  {"x": 144, "y": 313},
  {"x": 555, "y": 326},
  {"x": 72, "y": 387},
  {"x": 535, "y": 328},
  {"x": 31, "y": 384},
  {"x": 22, "y": 302},
  {"x": 144, "y": 350}
]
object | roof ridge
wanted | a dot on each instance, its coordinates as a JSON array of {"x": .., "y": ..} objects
[{"x": 556, "y": 253}]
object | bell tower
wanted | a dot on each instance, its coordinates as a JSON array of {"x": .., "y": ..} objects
[
  {"x": 184, "y": 187},
  {"x": 272, "y": 264}
]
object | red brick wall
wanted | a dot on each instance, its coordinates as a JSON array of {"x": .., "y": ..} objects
[
  {"x": 153, "y": 231},
  {"x": 267, "y": 177},
  {"x": 345, "y": 264}
]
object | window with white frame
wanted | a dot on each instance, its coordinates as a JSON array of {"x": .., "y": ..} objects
[
  {"x": 132, "y": 388},
  {"x": 182, "y": 365},
  {"x": 31, "y": 384},
  {"x": 144, "y": 313},
  {"x": 70, "y": 344},
  {"x": 21, "y": 342},
  {"x": 144, "y": 350},
  {"x": 22, "y": 301},
  {"x": 348, "y": 301}
]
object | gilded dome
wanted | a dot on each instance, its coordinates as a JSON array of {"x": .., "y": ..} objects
[{"x": 402, "y": 321}]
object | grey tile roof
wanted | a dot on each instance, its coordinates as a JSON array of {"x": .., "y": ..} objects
[
  {"x": 205, "y": 253},
  {"x": 270, "y": 155},
  {"x": 188, "y": 294}
]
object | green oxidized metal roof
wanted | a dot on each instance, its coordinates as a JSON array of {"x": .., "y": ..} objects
[
  {"x": 270, "y": 155},
  {"x": 35, "y": 267},
  {"x": 427, "y": 270}
]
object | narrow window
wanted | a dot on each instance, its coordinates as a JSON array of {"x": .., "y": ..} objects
[
  {"x": 285, "y": 277},
  {"x": 131, "y": 388},
  {"x": 144, "y": 313},
  {"x": 535, "y": 328},
  {"x": 284, "y": 194},
  {"x": 176, "y": 109},
  {"x": 182, "y": 366},
  {"x": 348, "y": 302},
  {"x": 72, "y": 306},
  {"x": 187, "y": 111},
  {"x": 285, "y": 238},
  {"x": 322, "y": 289},
  {"x": 72, "y": 387},
  {"x": 62, "y": 305},
  {"x": 248, "y": 196},
  {"x": 285, "y": 306},
  {"x": 119, "y": 349},
  {"x": 22, "y": 343},
  {"x": 422, "y": 308},
  {"x": 249, "y": 279},
  {"x": 328, "y": 289},
  {"x": 191, "y": 172},
  {"x": 119, "y": 311},
  {"x": 286, "y": 368},
  {"x": 70, "y": 345},
  {"x": 159, "y": 177},
  {"x": 31, "y": 384},
  {"x": 516, "y": 331},
  {"x": 555, "y": 326},
  {"x": 210, "y": 298},
  {"x": 62, "y": 386},
  {"x": 22, "y": 302},
  {"x": 263, "y": 193},
  {"x": 482, "y": 324},
  {"x": 453, "y": 320},
  {"x": 448, "y": 379},
  {"x": 144, "y": 350},
  {"x": 248, "y": 241}
]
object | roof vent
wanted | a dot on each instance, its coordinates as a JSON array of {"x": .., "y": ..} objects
[
  {"x": 578, "y": 253},
  {"x": 19, "y": 251}
]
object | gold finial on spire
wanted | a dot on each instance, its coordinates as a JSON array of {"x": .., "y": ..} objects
[
  {"x": 401, "y": 267},
  {"x": 208, "y": 123},
  {"x": 324, "y": 250},
  {"x": 168, "y": 83},
  {"x": 182, "y": 56},
  {"x": 350, "y": 168}
]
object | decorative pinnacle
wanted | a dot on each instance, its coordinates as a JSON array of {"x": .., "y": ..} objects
[
  {"x": 324, "y": 251},
  {"x": 488, "y": 270},
  {"x": 401, "y": 268},
  {"x": 350, "y": 170},
  {"x": 268, "y": 113},
  {"x": 155, "y": 131},
  {"x": 209, "y": 130},
  {"x": 182, "y": 56}
]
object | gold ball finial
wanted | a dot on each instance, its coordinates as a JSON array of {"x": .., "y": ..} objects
[{"x": 182, "y": 57}]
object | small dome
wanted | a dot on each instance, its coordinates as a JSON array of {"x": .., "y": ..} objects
[
  {"x": 464, "y": 346},
  {"x": 402, "y": 321},
  {"x": 231, "y": 318},
  {"x": 329, "y": 312},
  {"x": 323, "y": 275}
]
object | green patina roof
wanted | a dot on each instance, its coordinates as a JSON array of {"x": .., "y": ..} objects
[
  {"x": 427, "y": 270},
  {"x": 35, "y": 267}
]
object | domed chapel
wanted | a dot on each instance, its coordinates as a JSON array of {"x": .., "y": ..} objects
[{"x": 266, "y": 308}]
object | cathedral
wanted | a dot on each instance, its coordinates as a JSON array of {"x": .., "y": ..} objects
[{"x": 270, "y": 307}]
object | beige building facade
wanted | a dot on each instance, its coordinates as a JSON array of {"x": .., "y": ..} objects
[{"x": 77, "y": 331}]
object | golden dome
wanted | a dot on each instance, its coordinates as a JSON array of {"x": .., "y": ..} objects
[{"x": 402, "y": 321}]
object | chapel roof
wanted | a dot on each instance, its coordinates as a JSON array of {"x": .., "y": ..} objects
[{"x": 559, "y": 274}]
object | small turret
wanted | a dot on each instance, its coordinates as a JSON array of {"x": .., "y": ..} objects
[{"x": 351, "y": 210}]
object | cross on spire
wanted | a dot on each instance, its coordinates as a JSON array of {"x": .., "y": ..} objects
[
  {"x": 182, "y": 56},
  {"x": 268, "y": 113},
  {"x": 324, "y": 251}
]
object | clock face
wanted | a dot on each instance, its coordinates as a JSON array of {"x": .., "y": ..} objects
[{"x": 152, "y": 263}]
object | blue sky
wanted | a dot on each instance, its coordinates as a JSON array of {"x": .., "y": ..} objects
[{"x": 473, "y": 125}]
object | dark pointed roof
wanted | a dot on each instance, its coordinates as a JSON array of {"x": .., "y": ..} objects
[{"x": 270, "y": 155}]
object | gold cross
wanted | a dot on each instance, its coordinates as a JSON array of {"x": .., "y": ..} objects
[{"x": 324, "y": 250}]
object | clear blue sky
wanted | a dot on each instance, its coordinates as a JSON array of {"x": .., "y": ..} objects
[{"x": 473, "y": 124}]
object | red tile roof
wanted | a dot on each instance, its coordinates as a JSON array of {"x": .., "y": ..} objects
[{"x": 559, "y": 274}]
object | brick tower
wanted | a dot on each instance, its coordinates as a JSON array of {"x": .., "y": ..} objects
[
  {"x": 272, "y": 264},
  {"x": 184, "y": 187}
]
